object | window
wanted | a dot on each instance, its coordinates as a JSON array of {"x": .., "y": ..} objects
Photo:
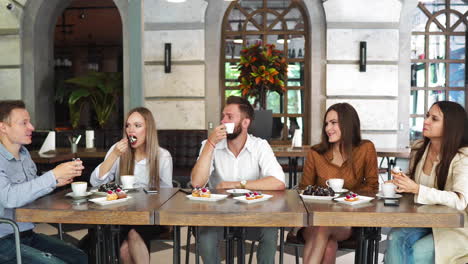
[
  {"x": 438, "y": 58},
  {"x": 279, "y": 22}
]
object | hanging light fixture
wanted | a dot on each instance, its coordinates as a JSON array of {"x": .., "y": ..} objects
[
  {"x": 238, "y": 38},
  {"x": 280, "y": 40}
]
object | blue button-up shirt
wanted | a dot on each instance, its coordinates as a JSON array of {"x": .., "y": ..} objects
[{"x": 20, "y": 185}]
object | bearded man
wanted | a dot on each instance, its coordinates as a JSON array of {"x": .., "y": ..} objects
[{"x": 237, "y": 160}]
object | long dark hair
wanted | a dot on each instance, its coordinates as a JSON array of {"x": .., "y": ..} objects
[
  {"x": 127, "y": 160},
  {"x": 350, "y": 128},
  {"x": 454, "y": 137}
]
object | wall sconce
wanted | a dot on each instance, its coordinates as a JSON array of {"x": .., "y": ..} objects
[
  {"x": 167, "y": 57},
  {"x": 362, "y": 56}
]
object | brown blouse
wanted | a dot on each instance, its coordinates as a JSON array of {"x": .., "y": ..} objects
[{"x": 319, "y": 168}]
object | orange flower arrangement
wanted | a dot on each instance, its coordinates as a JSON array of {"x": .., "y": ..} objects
[{"x": 262, "y": 69}]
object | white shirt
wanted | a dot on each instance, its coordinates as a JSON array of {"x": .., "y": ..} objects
[
  {"x": 141, "y": 171},
  {"x": 255, "y": 161}
]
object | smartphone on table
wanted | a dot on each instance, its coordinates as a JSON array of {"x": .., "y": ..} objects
[{"x": 149, "y": 190}]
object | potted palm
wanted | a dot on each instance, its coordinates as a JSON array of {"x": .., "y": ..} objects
[
  {"x": 262, "y": 69},
  {"x": 100, "y": 89}
]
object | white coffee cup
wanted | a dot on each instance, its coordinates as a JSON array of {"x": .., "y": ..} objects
[
  {"x": 229, "y": 127},
  {"x": 335, "y": 183},
  {"x": 79, "y": 188},
  {"x": 127, "y": 181},
  {"x": 389, "y": 189}
]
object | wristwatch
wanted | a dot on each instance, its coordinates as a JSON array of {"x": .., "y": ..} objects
[{"x": 243, "y": 183}]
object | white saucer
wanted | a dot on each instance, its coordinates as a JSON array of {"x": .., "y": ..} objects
[
  {"x": 397, "y": 196},
  {"x": 342, "y": 191},
  {"x": 72, "y": 195}
]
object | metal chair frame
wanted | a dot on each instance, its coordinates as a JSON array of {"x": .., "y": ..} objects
[{"x": 17, "y": 237}]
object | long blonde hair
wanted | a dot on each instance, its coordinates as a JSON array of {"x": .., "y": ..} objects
[{"x": 127, "y": 160}]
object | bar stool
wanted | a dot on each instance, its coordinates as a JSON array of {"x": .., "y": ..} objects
[{"x": 17, "y": 237}]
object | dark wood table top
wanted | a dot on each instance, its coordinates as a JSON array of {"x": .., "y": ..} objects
[
  {"x": 57, "y": 208},
  {"x": 288, "y": 151},
  {"x": 285, "y": 208},
  {"x": 394, "y": 152},
  {"x": 65, "y": 154},
  {"x": 376, "y": 214}
]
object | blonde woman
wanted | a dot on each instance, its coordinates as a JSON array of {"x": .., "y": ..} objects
[{"x": 151, "y": 166}]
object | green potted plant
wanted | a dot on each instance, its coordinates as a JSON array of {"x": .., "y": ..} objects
[
  {"x": 101, "y": 89},
  {"x": 262, "y": 69}
]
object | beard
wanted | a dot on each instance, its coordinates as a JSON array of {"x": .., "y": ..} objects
[{"x": 237, "y": 131}]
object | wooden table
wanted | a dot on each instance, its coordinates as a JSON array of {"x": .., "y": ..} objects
[
  {"x": 391, "y": 155},
  {"x": 372, "y": 216},
  {"x": 284, "y": 209},
  {"x": 65, "y": 154},
  {"x": 57, "y": 208},
  {"x": 293, "y": 154}
]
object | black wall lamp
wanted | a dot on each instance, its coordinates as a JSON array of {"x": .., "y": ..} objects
[
  {"x": 362, "y": 56},
  {"x": 167, "y": 57}
]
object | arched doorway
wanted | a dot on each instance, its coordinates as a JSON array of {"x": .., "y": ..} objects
[{"x": 38, "y": 73}]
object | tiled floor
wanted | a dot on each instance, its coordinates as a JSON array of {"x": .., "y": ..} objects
[{"x": 162, "y": 252}]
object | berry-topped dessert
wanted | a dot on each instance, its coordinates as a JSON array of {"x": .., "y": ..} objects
[
  {"x": 318, "y": 191},
  {"x": 109, "y": 187},
  {"x": 111, "y": 196},
  {"x": 205, "y": 192},
  {"x": 250, "y": 196},
  {"x": 258, "y": 195},
  {"x": 120, "y": 194},
  {"x": 351, "y": 197},
  {"x": 196, "y": 192}
]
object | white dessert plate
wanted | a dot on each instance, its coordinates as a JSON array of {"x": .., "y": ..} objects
[
  {"x": 381, "y": 195},
  {"x": 103, "y": 200},
  {"x": 320, "y": 198},
  {"x": 238, "y": 192},
  {"x": 342, "y": 190},
  {"x": 361, "y": 200},
  {"x": 72, "y": 195},
  {"x": 243, "y": 199},
  {"x": 213, "y": 198}
]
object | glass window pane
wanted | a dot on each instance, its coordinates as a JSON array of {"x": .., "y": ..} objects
[
  {"x": 418, "y": 74},
  {"x": 228, "y": 93},
  {"x": 258, "y": 18},
  {"x": 416, "y": 125},
  {"x": 236, "y": 18},
  {"x": 434, "y": 28},
  {"x": 442, "y": 19},
  {"x": 293, "y": 124},
  {"x": 231, "y": 71},
  {"x": 278, "y": 41},
  {"x": 252, "y": 40},
  {"x": 435, "y": 96},
  {"x": 460, "y": 28},
  {"x": 457, "y": 96},
  {"x": 460, "y": 5},
  {"x": 457, "y": 47},
  {"x": 417, "y": 47},
  {"x": 457, "y": 74},
  {"x": 296, "y": 46},
  {"x": 274, "y": 102},
  {"x": 296, "y": 71},
  {"x": 419, "y": 21},
  {"x": 417, "y": 102},
  {"x": 278, "y": 25},
  {"x": 251, "y": 4},
  {"x": 278, "y": 124},
  {"x": 437, "y": 75},
  {"x": 294, "y": 83},
  {"x": 434, "y": 5},
  {"x": 232, "y": 48},
  {"x": 437, "y": 47},
  {"x": 295, "y": 101}
]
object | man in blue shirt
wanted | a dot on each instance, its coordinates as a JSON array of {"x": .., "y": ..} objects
[{"x": 20, "y": 185}]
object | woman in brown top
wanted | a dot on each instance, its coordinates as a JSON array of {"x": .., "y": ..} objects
[{"x": 341, "y": 154}]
